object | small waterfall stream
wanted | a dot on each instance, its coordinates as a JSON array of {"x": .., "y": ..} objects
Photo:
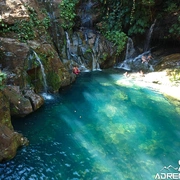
[
  {"x": 68, "y": 52},
  {"x": 95, "y": 55},
  {"x": 86, "y": 14},
  {"x": 129, "y": 49},
  {"x": 84, "y": 46},
  {"x": 148, "y": 38},
  {"x": 42, "y": 70},
  {"x": 54, "y": 28},
  {"x": 45, "y": 93},
  {"x": 137, "y": 62}
]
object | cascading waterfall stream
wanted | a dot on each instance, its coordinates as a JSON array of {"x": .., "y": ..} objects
[
  {"x": 95, "y": 55},
  {"x": 84, "y": 47},
  {"x": 130, "y": 62},
  {"x": 86, "y": 15},
  {"x": 67, "y": 46},
  {"x": 148, "y": 38},
  {"x": 129, "y": 49},
  {"x": 43, "y": 72},
  {"x": 45, "y": 93},
  {"x": 54, "y": 28}
]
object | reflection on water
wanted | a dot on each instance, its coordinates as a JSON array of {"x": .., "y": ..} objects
[{"x": 97, "y": 129}]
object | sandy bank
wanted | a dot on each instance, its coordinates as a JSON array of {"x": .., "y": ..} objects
[{"x": 158, "y": 81}]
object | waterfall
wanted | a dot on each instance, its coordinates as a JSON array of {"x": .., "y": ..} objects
[
  {"x": 148, "y": 38},
  {"x": 54, "y": 28},
  {"x": 68, "y": 46},
  {"x": 127, "y": 64},
  {"x": 43, "y": 72},
  {"x": 86, "y": 16},
  {"x": 86, "y": 38},
  {"x": 124, "y": 65},
  {"x": 129, "y": 49},
  {"x": 95, "y": 64},
  {"x": 140, "y": 55},
  {"x": 95, "y": 55},
  {"x": 131, "y": 62}
]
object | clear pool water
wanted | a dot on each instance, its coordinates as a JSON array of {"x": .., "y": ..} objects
[{"x": 98, "y": 129}]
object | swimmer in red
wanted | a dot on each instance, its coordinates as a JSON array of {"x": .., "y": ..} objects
[{"x": 76, "y": 70}]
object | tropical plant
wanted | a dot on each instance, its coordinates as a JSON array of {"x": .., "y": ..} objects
[
  {"x": 25, "y": 29},
  {"x": 2, "y": 78},
  {"x": 119, "y": 39},
  {"x": 67, "y": 13}
]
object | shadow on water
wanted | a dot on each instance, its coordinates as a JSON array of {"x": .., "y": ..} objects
[{"x": 98, "y": 129}]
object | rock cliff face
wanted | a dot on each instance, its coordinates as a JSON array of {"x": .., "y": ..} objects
[
  {"x": 15, "y": 58},
  {"x": 9, "y": 139},
  {"x": 89, "y": 50},
  {"x": 25, "y": 47},
  {"x": 18, "y": 46}
]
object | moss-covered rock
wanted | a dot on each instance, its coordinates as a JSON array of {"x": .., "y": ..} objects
[
  {"x": 10, "y": 141},
  {"x": 56, "y": 73}
]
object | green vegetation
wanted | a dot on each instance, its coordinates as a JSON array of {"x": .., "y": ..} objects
[
  {"x": 118, "y": 19},
  {"x": 118, "y": 38},
  {"x": 54, "y": 80},
  {"x": 89, "y": 50},
  {"x": 174, "y": 74},
  {"x": 175, "y": 28},
  {"x": 2, "y": 78},
  {"x": 28, "y": 29},
  {"x": 3, "y": 25},
  {"x": 134, "y": 17},
  {"x": 104, "y": 56},
  {"x": 130, "y": 18},
  {"x": 67, "y": 13},
  {"x": 123, "y": 19}
]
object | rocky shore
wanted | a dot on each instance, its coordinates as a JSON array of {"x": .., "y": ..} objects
[{"x": 165, "y": 78}]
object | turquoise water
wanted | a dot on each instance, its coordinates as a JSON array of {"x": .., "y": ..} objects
[{"x": 97, "y": 129}]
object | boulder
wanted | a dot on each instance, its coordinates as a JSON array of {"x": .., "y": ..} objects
[
  {"x": 36, "y": 100},
  {"x": 9, "y": 142},
  {"x": 19, "y": 105}
]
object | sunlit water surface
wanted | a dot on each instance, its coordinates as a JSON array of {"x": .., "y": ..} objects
[{"x": 97, "y": 129}]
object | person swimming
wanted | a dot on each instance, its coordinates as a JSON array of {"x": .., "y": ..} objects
[
  {"x": 126, "y": 74},
  {"x": 76, "y": 70}
]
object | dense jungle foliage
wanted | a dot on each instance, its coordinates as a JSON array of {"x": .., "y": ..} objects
[
  {"x": 24, "y": 29},
  {"x": 134, "y": 17},
  {"x": 119, "y": 19}
]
